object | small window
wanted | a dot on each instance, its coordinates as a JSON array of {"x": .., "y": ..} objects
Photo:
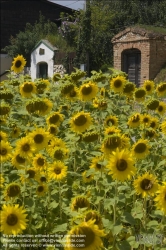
[{"x": 41, "y": 51}]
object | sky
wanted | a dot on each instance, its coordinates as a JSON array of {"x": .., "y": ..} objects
[{"x": 73, "y": 4}]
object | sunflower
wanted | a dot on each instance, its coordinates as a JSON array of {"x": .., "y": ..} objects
[
  {"x": 39, "y": 162},
  {"x": 40, "y": 138},
  {"x": 161, "y": 89},
  {"x": 111, "y": 130},
  {"x": 4, "y": 109},
  {"x": 80, "y": 122},
  {"x": 154, "y": 123},
  {"x": 15, "y": 132},
  {"x": 95, "y": 216},
  {"x": 87, "y": 178},
  {"x": 92, "y": 236},
  {"x": 73, "y": 94},
  {"x": 111, "y": 121},
  {"x": 121, "y": 165},
  {"x": 27, "y": 89},
  {"x": 55, "y": 118},
  {"x": 140, "y": 94},
  {"x": 3, "y": 136},
  {"x": 25, "y": 147},
  {"x": 18, "y": 161},
  {"x": 90, "y": 136},
  {"x": 88, "y": 91},
  {"x": 13, "y": 219},
  {"x": 56, "y": 77},
  {"x": 145, "y": 120},
  {"x": 66, "y": 88},
  {"x": 42, "y": 178},
  {"x": 117, "y": 84},
  {"x": 18, "y": 64},
  {"x": 102, "y": 92},
  {"x": 97, "y": 163},
  {"x": 149, "y": 86},
  {"x": 146, "y": 185},
  {"x": 59, "y": 154},
  {"x": 42, "y": 85},
  {"x": 128, "y": 89},
  {"x": 55, "y": 142},
  {"x": 140, "y": 149},
  {"x": 161, "y": 198},
  {"x": 2, "y": 180},
  {"x": 53, "y": 129},
  {"x": 152, "y": 104},
  {"x": 5, "y": 151},
  {"x": 163, "y": 127},
  {"x": 150, "y": 133},
  {"x": 57, "y": 171},
  {"x": 134, "y": 120},
  {"x": 161, "y": 109},
  {"x": 30, "y": 174},
  {"x": 12, "y": 190},
  {"x": 41, "y": 190},
  {"x": 45, "y": 106},
  {"x": 110, "y": 144},
  {"x": 79, "y": 202},
  {"x": 2, "y": 122}
]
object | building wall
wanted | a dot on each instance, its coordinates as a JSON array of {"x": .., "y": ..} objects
[
  {"x": 5, "y": 64},
  {"x": 157, "y": 56},
  {"x": 143, "y": 46},
  {"x": 36, "y": 58}
]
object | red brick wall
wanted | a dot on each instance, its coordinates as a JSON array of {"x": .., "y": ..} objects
[
  {"x": 157, "y": 56},
  {"x": 153, "y": 51},
  {"x": 15, "y": 15}
]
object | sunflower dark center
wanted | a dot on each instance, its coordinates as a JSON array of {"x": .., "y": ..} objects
[
  {"x": 136, "y": 118},
  {"x": 113, "y": 143},
  {"x": 99, "y": 166},
  {"x": 58, "y": 154},
  {"x": 90, "y": 236},
  {"x": 140, "y": 148},
  {"x": 140, "y": 93},
  {"x": 67, "y": 89},
  {"x": 31, "y": 173},
  {"x": 110, "y": 121},
  {"x": 38, "y": 138},
  {"x": 3, "y": 151},
  {"x": 150, "y": 133},
  {"x": 81, "y": 203},
  {"x": 40, "y": 161},
  {"x": 27, "y": 87},
  {"x": 153, "y": 124},
  {"x": 121, "y": 165},
  {"x": 43, "y": 179},
  {"x": 128, "y": 88},
  {"x": 73, "y": 93},
  {"x": 57, "y": 171},
  {"x": 13, "y": 190},
  {"x": 80, "y": 120},
  {"x": 146, "y": 184},
  {"x": 160, "y": 108},
  {"x": 18, "y": 63},
  {"x": 118, "y": 83},
  {"x": 86, "y": 90},
  {"x": 14, "y": 131},
  {"x": 148, "y": 87},
  {"x": 145, "y": 120},
  {"x": 12, "y": 220},
  {"x": 162, "y": 88},
  {"x": 54, "y": 118},
  {"x": 52, "y": 130},
  {"x": 40, "y": 189},
  {"x": 19, "y": 159},
  {"x": 26, "y": 147}
]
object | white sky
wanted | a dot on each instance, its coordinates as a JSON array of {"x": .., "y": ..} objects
[{"x": 73, "y": 4}]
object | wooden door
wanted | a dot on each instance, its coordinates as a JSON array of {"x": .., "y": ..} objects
[
  {"x": 131, "y": 64},
  {"x": 43, "y": 70}
]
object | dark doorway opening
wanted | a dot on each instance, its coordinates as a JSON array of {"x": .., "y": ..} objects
[
  {"x": 131, "y": 64},
  {"x": 43, "y": 70}
]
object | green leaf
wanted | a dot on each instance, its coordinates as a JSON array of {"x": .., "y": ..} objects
[
  {"x": 29, "y": 202},
  {"x": 152, "y": 223},
  {"x": 53, "y": 204},
  {"x": 123, "y": 245},
  {"x": 60, "y": 228},
  {"x": 116, "y": 229}
]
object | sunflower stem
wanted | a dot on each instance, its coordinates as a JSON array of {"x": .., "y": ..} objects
[
  {"x": 114, "y": 207},
  {"x": 144, "y": 212},
  {"x": 60, "y": 201}
]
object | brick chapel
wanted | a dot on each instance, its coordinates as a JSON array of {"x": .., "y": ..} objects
[{"x": 140, "y": 53}]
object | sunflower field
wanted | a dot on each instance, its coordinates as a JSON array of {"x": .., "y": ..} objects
[{"x": 83, "y": 162}]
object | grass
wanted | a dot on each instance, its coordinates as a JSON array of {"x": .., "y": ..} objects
[{"x": 154, "y": 29}]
